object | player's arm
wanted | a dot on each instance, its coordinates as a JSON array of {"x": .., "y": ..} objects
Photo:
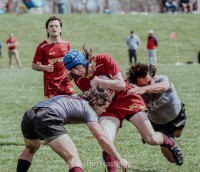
[
  {"x": 115, "y": 83},
  {"x": 160, "y": 87},
  {"x": 39, "y": 67},
  {"x": 106, "y": 144}
]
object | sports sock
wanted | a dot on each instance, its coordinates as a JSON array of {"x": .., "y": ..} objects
[
  {"x": 23, "y": 165},
  {"x": 169, "y": 143},
  {"x": 110, "y": 162},
  {"x": 76, "y": 169}
]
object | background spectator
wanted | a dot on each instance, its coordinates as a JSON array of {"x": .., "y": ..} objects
[
  {"x": 13, "y": 51},
  {"x": 0, "y": 48},
  {"x": 198, "y": 57},
  {"x": 186, "y": 5},
  {"x": 8, "y": 6},
  {"x": 152, "y": 44},
  {"x": 169, "y": 5},
  {"x": 133, "y": 42}
]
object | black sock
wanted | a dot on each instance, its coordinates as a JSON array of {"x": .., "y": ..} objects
[{"x": 23, "y": 165}]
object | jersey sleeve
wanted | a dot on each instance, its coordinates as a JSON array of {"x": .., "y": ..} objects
[
  {"x": 161, "y": 78},
  {"x": 38, "y": 57},
  {"x": 110, "y": 67},
  {"x": 90, "y": 114}
]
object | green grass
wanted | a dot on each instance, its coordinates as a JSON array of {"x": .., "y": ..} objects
[{"x": 22, "y": 88}]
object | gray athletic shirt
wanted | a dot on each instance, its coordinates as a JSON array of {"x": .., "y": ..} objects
[
  {"x": 70, "y": 109},
  {"x": 164, "y": 107}
]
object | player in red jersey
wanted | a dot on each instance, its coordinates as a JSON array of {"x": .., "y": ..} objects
[
  {"x": 85, "y": 69},
  {"x": 49, "y": 59},
  {"x": 13, "y": 51}
]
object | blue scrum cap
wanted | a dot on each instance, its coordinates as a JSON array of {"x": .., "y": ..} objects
[{"x": 74, "y": 58}]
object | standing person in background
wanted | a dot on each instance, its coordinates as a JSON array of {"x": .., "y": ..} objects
[
  {"x": 0, "y": 48},
  {"x": 13, "y": 51},
  {"x": 152, "y": 44},
  {"x": 88, "y": 71},
  {"x": 8, "y": 6},
  {"x": 198, "y": 57},
  {"x": 46, "y": 120},
  {"x": 49, "y": 59},
  {"x": 187, "y": 6},
  {"x": 169, "y": 5},
  {"x": 165, "y": 109},
  {"x": 133, "y": 42}
]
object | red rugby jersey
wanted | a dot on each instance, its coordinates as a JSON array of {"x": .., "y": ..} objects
[
  {"x": 52, "y": 53},
  {"x": 123, "y": 103},
  {"x": 11, "y": 43},
  {"x": 105, "y": 65}
]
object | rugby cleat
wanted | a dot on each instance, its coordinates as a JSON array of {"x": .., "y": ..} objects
[{"x": 177, "y": 154}]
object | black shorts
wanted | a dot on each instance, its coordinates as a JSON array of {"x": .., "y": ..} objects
[
  {"x": 177, "y": 124},
  {"x": 42, "y": 123}
]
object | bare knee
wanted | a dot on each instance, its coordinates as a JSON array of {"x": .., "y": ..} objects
[
  {"x": 32, "y": 147},
  {"x": 177, "y": 133},
  {"x": 32, "y": 150},
  {"x": 29, "y": 152}
]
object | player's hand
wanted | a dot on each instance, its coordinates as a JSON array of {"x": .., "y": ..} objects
[
  {"x": 49, "y": 68},
  {"x": 95, "y": 82},
  {"x": 123, "y": 164}
]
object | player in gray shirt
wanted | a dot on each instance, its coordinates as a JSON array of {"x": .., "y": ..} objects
[
  {"x": 46, "y": 120},
  {"x": 165, "y": 110}
]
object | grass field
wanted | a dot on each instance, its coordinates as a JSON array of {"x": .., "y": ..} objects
[{"x": 22, "y": 88}]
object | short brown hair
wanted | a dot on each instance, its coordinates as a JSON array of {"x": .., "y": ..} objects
[
  {"x": 140, "y": 70},
  {"x": 51, "y": 19}
]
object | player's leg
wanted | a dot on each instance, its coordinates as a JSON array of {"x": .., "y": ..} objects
[
  {"x": 149, "y": 56},
  {"x": 130, "y": 56},
  {"x": 190, "y": 7},
  {"x": 10, "y": 59},
  {"x": 143, "y": 125},
  {"x": 179, "y": 122},
  {"x": 25, "y": 159},
  {"x": 135, "y": 56},
  {"x": 154, "y": 57},
  {"x": 184, "y": 7},
  {"x": 178, "y": 133},
  {"x": 17, "y": 58},
  {"x": 110, "y": 125},
  {"x": 64, "y": 146}
]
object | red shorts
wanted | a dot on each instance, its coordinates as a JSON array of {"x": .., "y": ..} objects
[
  {"x": 125, "y": 105},
  {"x": 58, "y": 87}
]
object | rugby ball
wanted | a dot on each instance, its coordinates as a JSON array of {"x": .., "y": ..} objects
[{"x": 166, "y": 152}]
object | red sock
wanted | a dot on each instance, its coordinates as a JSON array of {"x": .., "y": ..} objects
[
  {"x": 110, "y": 162},
  {"x": 76, "y": 169},
  {"x": 167, "y": 142}
]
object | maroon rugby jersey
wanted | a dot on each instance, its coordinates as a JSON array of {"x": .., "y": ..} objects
[
  {"x": 52, "y": 53},
  {"x": 123, "y": 103}
]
